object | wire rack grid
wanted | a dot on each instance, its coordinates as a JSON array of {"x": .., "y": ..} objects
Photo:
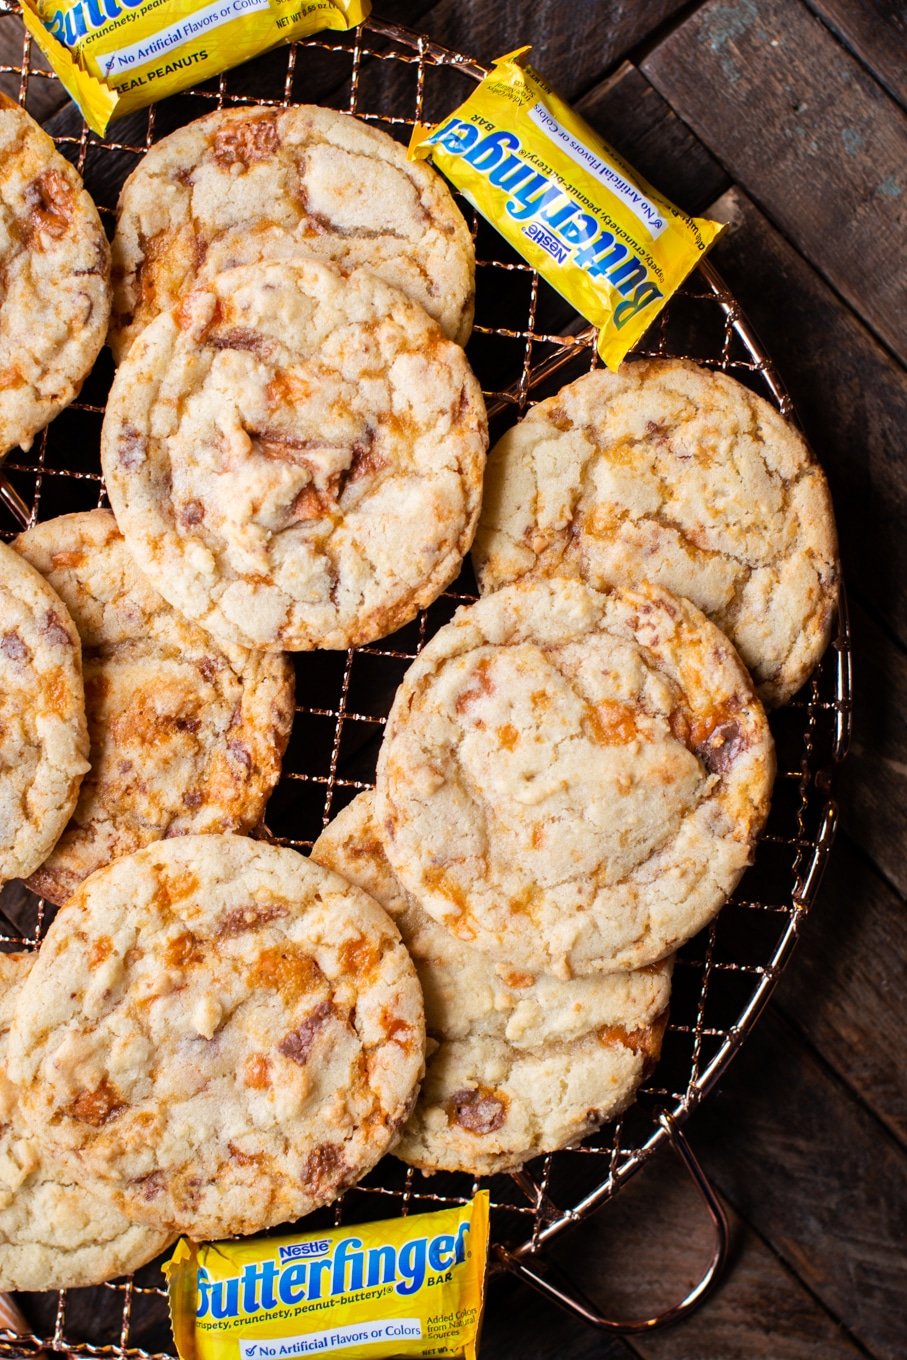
[{"x": 526, "y": 341}]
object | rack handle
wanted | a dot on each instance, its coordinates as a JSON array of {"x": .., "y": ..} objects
[{"x": 554, "y": 1286}]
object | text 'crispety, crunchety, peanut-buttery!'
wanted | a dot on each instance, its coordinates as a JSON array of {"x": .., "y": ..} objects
[
  {"x": 114, "y": 56},
  {"x": 410, "y": 1286},
  {"x": 599, "y": 234}
]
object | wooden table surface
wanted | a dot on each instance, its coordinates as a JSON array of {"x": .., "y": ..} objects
[{"x": 785, "y": 119}]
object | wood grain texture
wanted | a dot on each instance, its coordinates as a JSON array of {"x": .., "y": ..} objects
[
  {"x": 637, "y": 122},
  {"x": 649, "y": 1246},
  {"x": 642, "y": 1252},
  {"x": 573, "y": 44},
  {"x": 850, "y": 395},
  {"x": 812, "y": 137},
  {"x": 817, "y": 1174},
  {"x": 876, "y": 31},
  {"x": 845, "y": 988}
]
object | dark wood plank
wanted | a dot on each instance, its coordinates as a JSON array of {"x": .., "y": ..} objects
[
  {"x": 637, "y": 122},
  {"x": 850, "y": 395},
  {"x": 648, "y": 1247},
  {"x": 808, "y": 133},
  {"x": 876, "y": 30},
  {"x": 874, "y": 781},
  {"x": 849, "y": 1012},
  {"x": 817, "y": 1175},
  {"x": 573, "y": 45},
  {"x": 521, "y": 1325}
]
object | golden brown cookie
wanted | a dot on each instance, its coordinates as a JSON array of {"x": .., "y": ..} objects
[
  {"x": 43, "y": 734},
  {"x": 519, "y": 1064},
  {"x": 242, "y": 186},
  {"x": 55, "y": 269},
  {"x": 670, "y": 473},
  {"x": 224, "y": 1031},
  {"x": 295, "y": 456},
  {"x": 186, "y": 733},
  {"x": 574, "y": 781},
  {"x": 57, "y": 1231}
]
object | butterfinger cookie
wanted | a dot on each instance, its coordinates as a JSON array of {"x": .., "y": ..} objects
[
  {"x": 519, "y": 1064},
  {"x": 225, "y": 1032},
  {"x": 56, "y": 1231},
  {"x": 43, "y": 735},
  {"x": 295, "y": 456},
  {"x": 55, "y": 268},
  {"x": 572, "y": 780},
  {"x": 669, "y": 473},
  {"x": 186, "y": 734},
  {"x": 242, "y": 186}
]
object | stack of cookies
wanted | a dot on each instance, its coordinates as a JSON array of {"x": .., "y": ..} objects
[
  {"x": 219, "y": 1035},
  {"x": 216, "y": 1036},
  {"x": 576, "y": 769}
]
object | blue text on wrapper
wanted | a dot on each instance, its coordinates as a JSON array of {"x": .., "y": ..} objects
[
  {"x": 533, "y": 196},
  {"x": 268, "y": 1284}
]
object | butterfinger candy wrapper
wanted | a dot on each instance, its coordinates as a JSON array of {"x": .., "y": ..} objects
[
  {"x": 409, "y": 1286},
  {"x": 567, "y": 202},
  {"x": 114, "y": 56}
]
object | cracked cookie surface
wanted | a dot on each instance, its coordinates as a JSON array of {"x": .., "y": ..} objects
[
  {"x": 55, "y": 274},
  {"x": 227, "y": 1033},
  {"x": 55, "y": 1233},
  {"x": 295, "y": 456},
  {"x": 519, "y": 1064},
  {"x": 241, "y": 186},
  {"x": 670, "y": 473},
  {"x": 186, "y": 734},
  {"x": 574, "y": 780},
  {"x": 43, "y": 734}
]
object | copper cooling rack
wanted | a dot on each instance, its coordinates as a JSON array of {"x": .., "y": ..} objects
[{"x": 526, "y": 342}]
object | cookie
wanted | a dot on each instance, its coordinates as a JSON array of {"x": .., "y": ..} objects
[
  {"x": 55, "y": 266},
  {"x": 519, "y": 1064},
  {"x": 227, "y": 1033},
  {"x": 186, "y": 735},
  {"x": 242, "y": 185},
  {"x": 43, "y": 735},
  {"x": 295, "y": 456},
  {"x": 573, "y": 780},
  {"x": 669, "y": 473},
  {"x": 55, "y": 1232}
]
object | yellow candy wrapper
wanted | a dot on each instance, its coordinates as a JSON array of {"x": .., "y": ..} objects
[
  {"x": 403, "y": 1287},
  {"x": 114, "y": 56},
  {"x": 603, "y": 237}
]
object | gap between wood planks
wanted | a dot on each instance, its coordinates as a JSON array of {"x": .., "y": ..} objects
[{"x": 876, "y": 34}]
